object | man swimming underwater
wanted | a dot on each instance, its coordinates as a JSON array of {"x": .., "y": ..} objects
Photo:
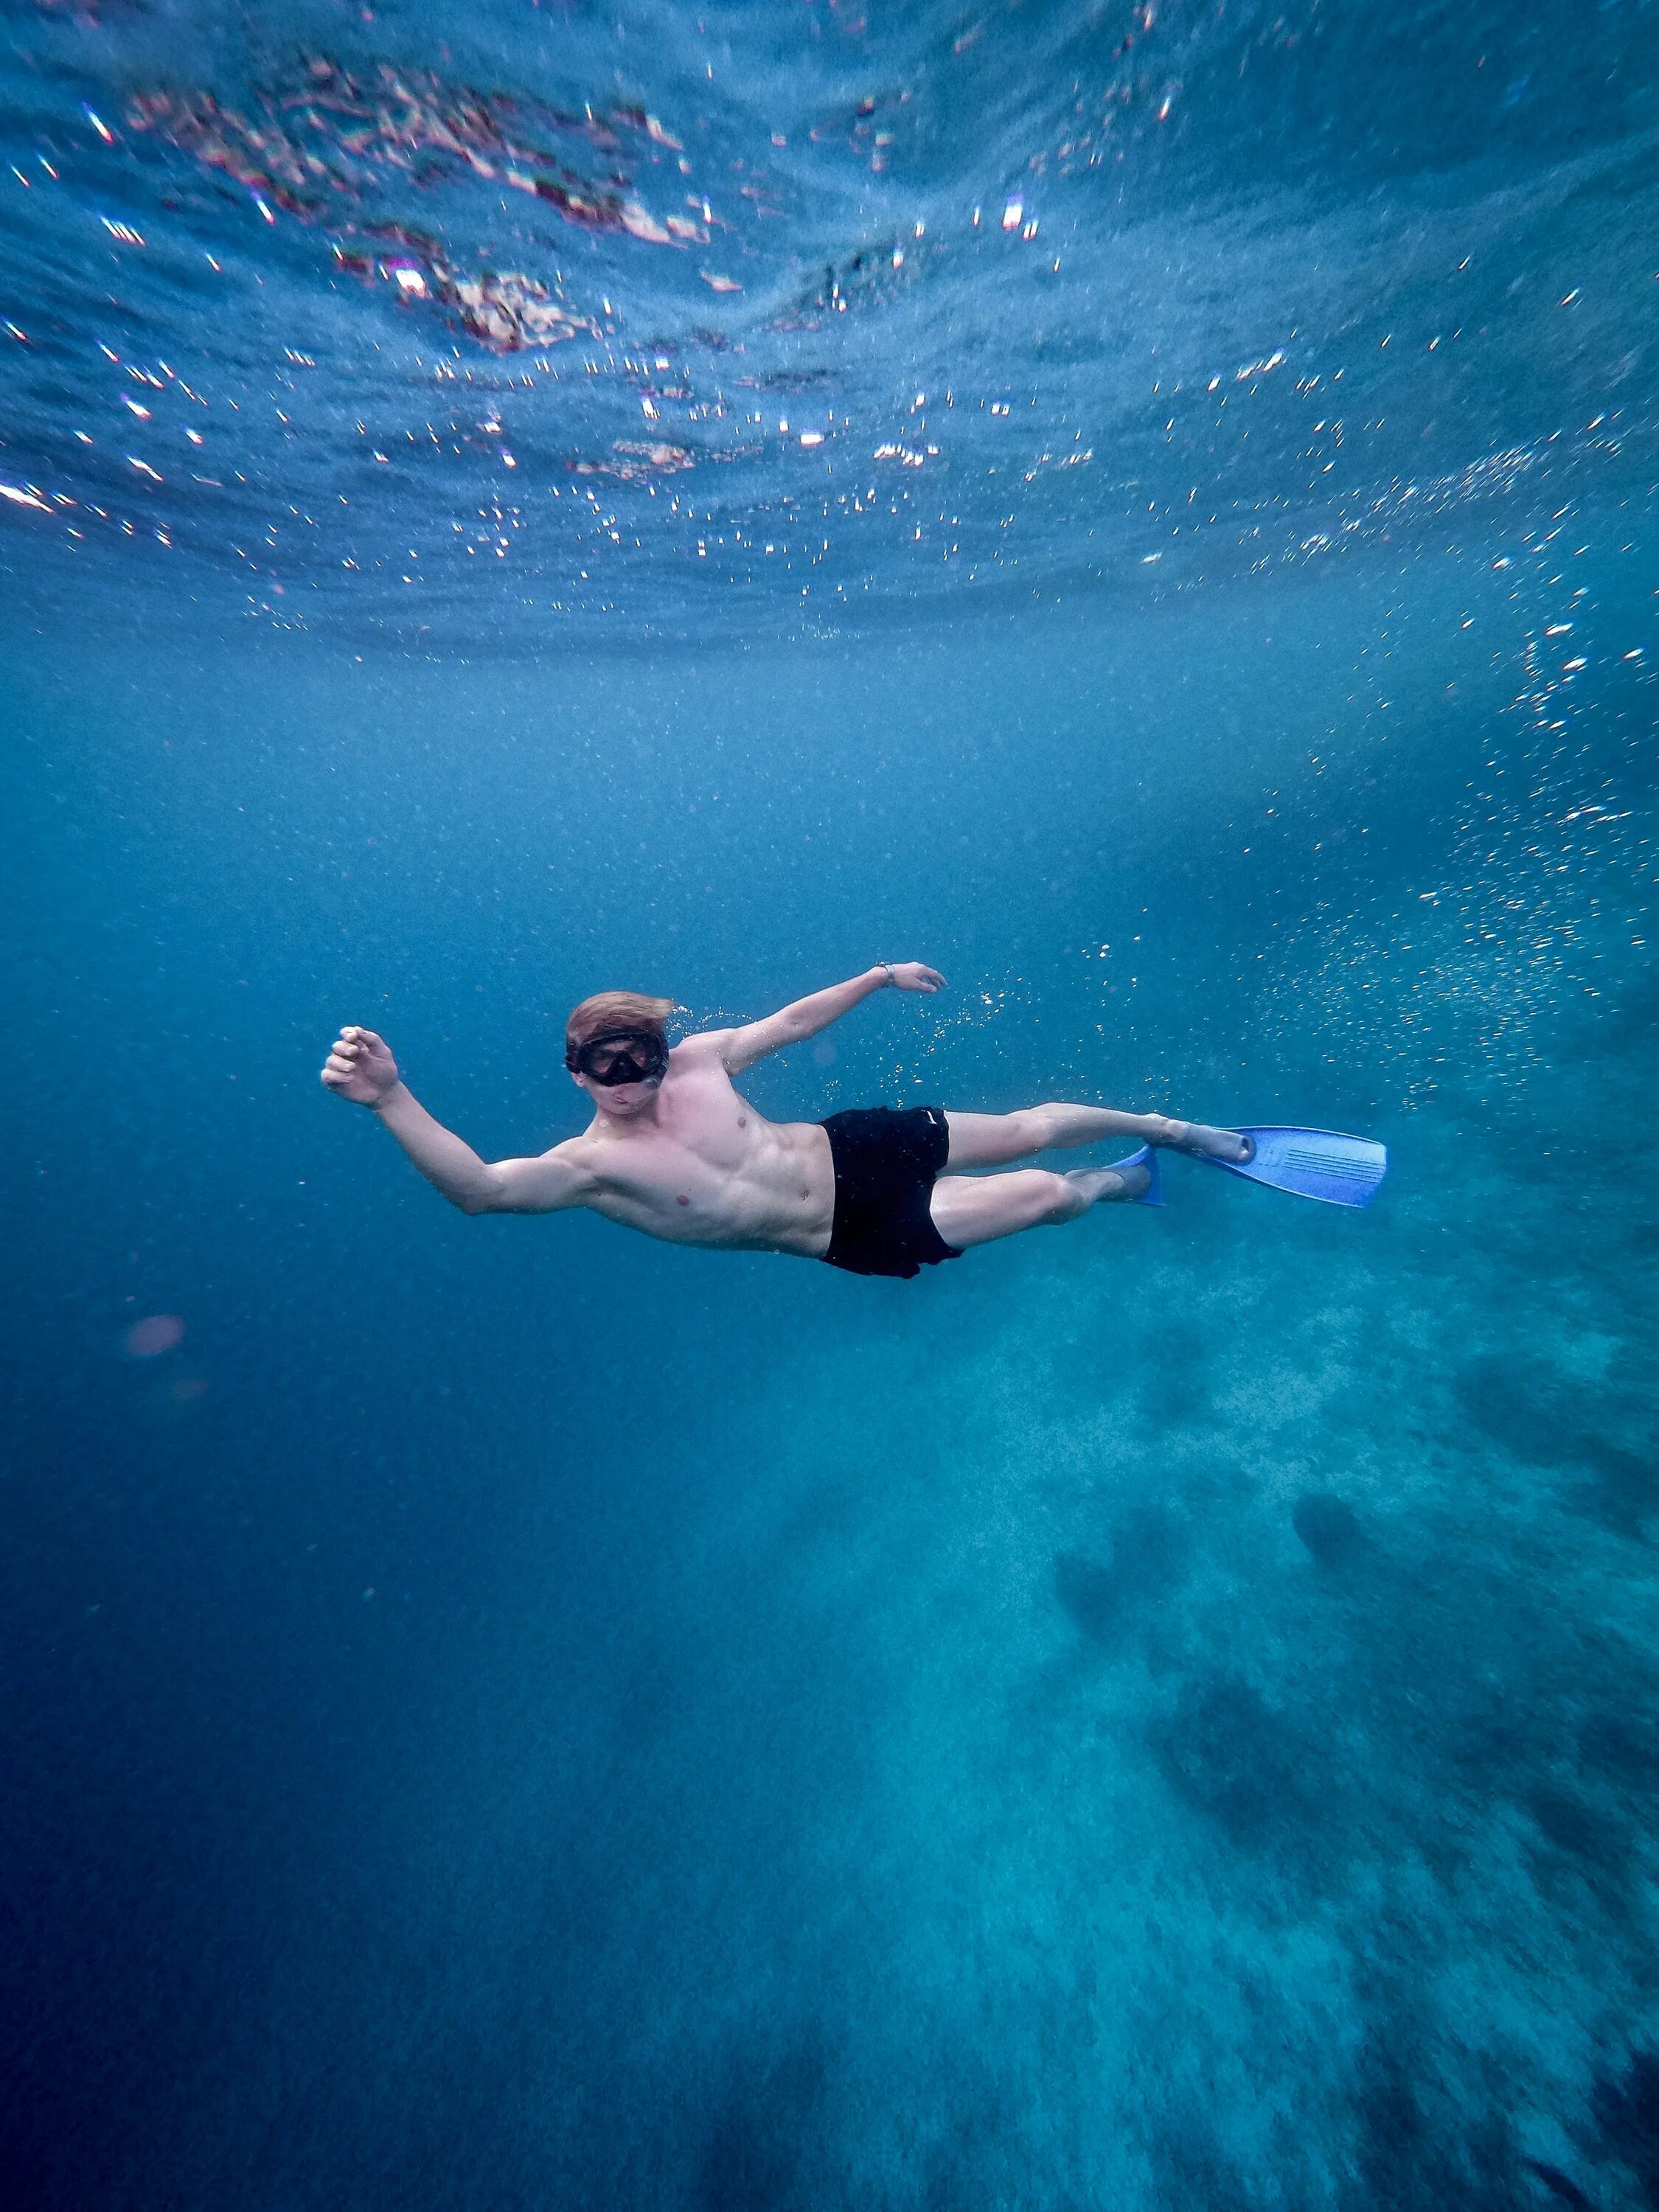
[{"x": 673, "y": 1149}]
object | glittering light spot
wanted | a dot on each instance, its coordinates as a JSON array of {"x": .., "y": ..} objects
[
  {"x": 639, "y": 222},
  {"x": 155, "y": 1333}
]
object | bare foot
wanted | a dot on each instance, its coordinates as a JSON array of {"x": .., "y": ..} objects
[
  {"x": 1201, "y": 1142},
  {"x": 1103, "y": 1186}
]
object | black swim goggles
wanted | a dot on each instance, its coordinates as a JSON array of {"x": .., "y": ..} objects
[{"x": 620, "y": 1056}]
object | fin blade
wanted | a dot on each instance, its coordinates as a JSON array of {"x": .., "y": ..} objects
[{"x": 1318, "y": 1163}]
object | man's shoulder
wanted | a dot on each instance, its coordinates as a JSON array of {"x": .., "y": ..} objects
[
  {"x": 577, "y": 1153},
  {"x": 706, "y": 1049}
]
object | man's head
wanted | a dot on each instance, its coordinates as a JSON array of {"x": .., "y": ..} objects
[{"x": 617, "y": 1048}]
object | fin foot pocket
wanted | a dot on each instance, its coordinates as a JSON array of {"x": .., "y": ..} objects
[{"x": 1148, "y": 1158}]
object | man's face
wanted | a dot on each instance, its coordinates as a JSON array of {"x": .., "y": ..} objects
[
  {"x": 623, "y": 1099},
  {"x": 639, "y": 1057}
]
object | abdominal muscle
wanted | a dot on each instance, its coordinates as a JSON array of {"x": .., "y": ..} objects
[{"x": 712, "y": 1172}]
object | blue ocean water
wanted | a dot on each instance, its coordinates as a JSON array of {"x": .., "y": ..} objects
[{"x": 1149, "y": 509}]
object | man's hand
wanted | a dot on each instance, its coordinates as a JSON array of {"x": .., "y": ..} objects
[
  {"x": 913, "y": 975},
  {"x": 360, "y": 1066}
]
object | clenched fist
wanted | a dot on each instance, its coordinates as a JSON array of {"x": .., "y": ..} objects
[{"x": 360, "y": 1066}]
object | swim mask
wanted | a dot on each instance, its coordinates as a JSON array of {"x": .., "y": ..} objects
[{"x": 620, "y": 1056}]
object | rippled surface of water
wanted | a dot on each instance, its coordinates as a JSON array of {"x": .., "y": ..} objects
[{"x": 521, "y": 323}]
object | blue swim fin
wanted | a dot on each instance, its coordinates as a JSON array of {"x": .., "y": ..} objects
[
  {"x": 1148, "y": 1158},
  {"x": 1313, "y": 1164}
]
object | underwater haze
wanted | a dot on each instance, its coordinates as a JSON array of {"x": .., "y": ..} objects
[{"x": 1150, "y": 509}]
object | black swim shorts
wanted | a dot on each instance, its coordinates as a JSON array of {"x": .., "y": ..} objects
[{"x": 886, "y": 1163}]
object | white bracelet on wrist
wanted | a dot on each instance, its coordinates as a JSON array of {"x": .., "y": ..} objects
[{"x": 891, "y": 977}]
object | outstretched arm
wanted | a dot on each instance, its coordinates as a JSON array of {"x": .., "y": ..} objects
[
  {"x": 360, "y": 1066},
  {"x": 741, "y": 1047}
]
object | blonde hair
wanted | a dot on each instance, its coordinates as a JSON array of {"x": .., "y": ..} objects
[{"x": 615, "y": 1010}]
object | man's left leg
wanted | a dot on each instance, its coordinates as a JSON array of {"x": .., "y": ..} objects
[{"x": 992, "y": 1141}]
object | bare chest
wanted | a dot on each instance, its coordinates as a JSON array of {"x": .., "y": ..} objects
[
  {"x": 702, "y": 1136},
  {"x": 712, "y": 1170}
]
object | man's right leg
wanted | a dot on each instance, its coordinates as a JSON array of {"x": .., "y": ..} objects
[{"x": 971, "y": 1210}]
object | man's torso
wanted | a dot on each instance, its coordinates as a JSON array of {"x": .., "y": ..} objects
[{"x": 706, "y": 1168}]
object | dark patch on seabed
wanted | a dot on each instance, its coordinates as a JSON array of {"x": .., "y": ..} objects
[
  {"x": 1105, "y": 1597},
  {"x": 1332, "y": 1531},
  {"x": 1550, "y": 1424}
]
